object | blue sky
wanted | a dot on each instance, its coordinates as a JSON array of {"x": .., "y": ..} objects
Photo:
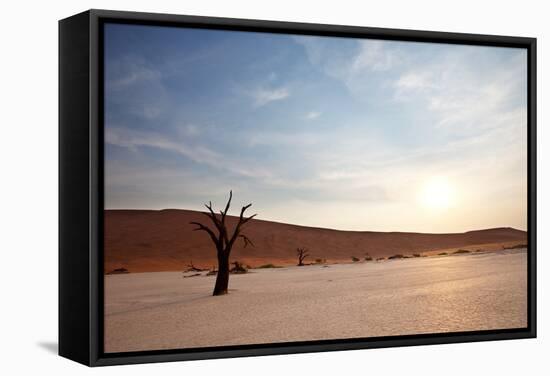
[{"x": 342, "y": 133}]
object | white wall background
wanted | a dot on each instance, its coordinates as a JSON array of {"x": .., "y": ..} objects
[{"x": 28, "y": 157}]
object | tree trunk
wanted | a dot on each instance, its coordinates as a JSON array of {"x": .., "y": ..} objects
[{"x": 222, "y": 279}]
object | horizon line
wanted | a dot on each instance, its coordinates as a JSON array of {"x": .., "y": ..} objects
[{"x": 327, "y": 228}]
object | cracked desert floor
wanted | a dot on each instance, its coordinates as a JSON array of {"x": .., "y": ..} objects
[{"x": 163, "y": 310}]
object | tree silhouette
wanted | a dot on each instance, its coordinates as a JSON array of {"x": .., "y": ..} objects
[
  {"x": 223, "y": 241},
  {"x": 302, "y": 254}
]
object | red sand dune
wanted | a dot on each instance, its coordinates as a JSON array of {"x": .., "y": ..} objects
[{"x": 150, "y": 240}]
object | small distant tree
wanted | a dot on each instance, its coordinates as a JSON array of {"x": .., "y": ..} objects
[
  {"x": 238, "y": 268},
  {"x": 224, "y": 240},
  {"x": 354, "y": 259},
  {"x": 302, "y": 254},
  {"x": 193, "y": 268}
]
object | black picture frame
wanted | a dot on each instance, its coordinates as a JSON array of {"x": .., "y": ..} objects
[{"x": 81, "y": 186}]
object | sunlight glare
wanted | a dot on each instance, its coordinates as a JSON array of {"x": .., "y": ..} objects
[{"x": 437, "y": 194}]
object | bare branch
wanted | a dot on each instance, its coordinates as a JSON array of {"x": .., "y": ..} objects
[
  {"x": 244, "y": 209},
  {"x": 248, "y": 219},
  {"x": 212, "y": 215},
  {"x": 224, "y": 212},
  {"x": 202, "y": 227},
  {"x": 246, "y": 240},
  {"x": 219, "y": 224},
  {"x": 193, "y": 268},
  {"x": 209, "y": 206},
  {"x": 212, "y": 218},
  {"x": 242, "y": 221}
]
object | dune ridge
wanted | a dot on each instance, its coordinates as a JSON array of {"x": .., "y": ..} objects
[{"x": 163, "y": 240}]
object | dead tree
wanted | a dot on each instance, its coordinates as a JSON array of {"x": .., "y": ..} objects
[
  {"x": 302, "y": 254},
  {"x": 193, "y": 268},
  {"x": 223, "y": 240},
  {"x": 238, "y": 268}
]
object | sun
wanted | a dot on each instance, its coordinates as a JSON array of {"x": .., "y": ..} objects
[{"x": 437, "y": 194}]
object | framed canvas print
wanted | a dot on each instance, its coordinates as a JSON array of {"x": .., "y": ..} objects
[{"x": 238, "y": 187}]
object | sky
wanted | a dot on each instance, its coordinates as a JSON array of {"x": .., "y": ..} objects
[{"x": 343, "y": 133}]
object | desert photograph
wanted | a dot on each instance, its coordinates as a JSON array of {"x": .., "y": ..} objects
[{"x": 272, "y": 188}]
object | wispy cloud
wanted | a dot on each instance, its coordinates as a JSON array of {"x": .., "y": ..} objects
[
  {"x": 133, "y": 84},
  {"x": 414, "y": 81},
  {"x": 134, "y": 139},
  {"x": 465, "y": 98},
  {"x": 264, "y": 96},
  {"x": 361, "y": 65},
  {"x": 339, "y": 133},
  {"x": 312, "y": 115},
  {"x": 374, "y": 55},
  {"x": 128, "y": 71},
  {"x": 190, "y": 130}
]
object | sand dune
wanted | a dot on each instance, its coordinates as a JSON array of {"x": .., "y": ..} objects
[{"x": 149, "y": 241}]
